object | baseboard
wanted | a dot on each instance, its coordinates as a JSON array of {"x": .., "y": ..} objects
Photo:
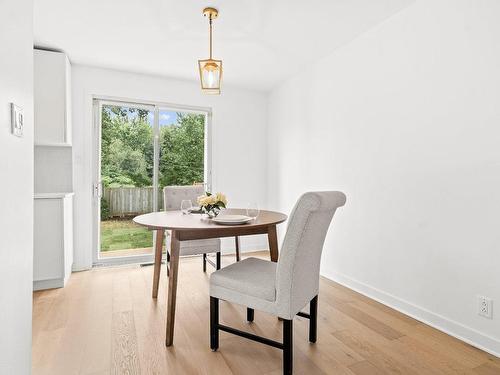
[
  {"x": 48, "y": 284},
  {"x": 78, "y": 267},
  {"x": 441, "y": 323}
]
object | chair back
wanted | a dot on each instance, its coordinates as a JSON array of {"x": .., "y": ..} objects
[
  {"x": 174, "y": 195},
  {"x": 297, "y": 275}
]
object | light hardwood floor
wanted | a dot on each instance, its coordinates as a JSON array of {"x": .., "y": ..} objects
[{"x": 105, "y": 322}]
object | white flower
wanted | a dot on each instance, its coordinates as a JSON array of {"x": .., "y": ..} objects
[
  {"x": 205, "y": 200},
  {"x": 221, "y": 198}
]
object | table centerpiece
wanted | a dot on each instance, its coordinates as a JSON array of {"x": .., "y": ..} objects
[{"x": 211, "y": 204}]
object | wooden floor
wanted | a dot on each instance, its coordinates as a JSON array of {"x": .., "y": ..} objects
[{"x": 105, "y": 322}]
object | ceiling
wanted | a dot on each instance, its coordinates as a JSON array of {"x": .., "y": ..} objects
[{"x": 261, "y": 42}]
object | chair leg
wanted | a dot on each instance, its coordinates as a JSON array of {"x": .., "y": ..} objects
[
  {"x": 287, "y": 347},
  {"x": 167, "y": 265},
  {"x": 214, "y": 321},
  {"x": 313, "y": 319},
  {"x": 237, "y": 247},
  {"x": 204, "y": 262},
  {"x": 250, "y": 314},
  {"x": 217, "y": 260}
]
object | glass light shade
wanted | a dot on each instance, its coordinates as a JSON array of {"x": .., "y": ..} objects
[{"x": 210, "y": 75}]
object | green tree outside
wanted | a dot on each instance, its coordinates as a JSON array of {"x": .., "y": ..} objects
[
  {"x": 127, "y": 149},
  {"x": 182, "y": 149}
]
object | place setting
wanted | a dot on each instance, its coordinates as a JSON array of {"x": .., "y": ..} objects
[{"x": 213, "y": 207}]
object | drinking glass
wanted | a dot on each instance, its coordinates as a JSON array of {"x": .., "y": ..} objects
[
  {"x": 186, "y": 205},
  {"x": 253, "y": 210}
]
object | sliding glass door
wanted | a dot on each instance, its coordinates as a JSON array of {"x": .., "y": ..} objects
[{"x": 140, "y": 149}]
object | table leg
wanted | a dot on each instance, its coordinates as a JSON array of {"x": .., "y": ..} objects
[
  {"x": 172, "y": 287},
  {"x": 272, "y": 238},
  {"x": 157, "y": 265}
]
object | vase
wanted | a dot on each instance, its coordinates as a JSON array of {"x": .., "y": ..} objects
[{"x": 213, "y": 212}]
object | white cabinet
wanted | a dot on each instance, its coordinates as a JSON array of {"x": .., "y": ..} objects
[
  {"x": 53, "y": 212},
  {"x": 52, "y": 98},
  {"x": 53, "y": 240}
]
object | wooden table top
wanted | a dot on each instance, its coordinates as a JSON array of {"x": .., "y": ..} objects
[{"x": 176, "y": 220}]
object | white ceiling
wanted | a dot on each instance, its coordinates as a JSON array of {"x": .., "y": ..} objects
[{"x": 260, "y": 42}]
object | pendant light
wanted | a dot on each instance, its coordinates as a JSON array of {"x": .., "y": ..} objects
[{"x": 210, "y": 69}]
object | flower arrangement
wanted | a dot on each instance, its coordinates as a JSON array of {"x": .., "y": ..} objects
[{"x": 211, "y": 204}]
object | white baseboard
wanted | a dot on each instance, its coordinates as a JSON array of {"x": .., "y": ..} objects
[
  {"x": 48, "y": 284},
  {"x": 469, "y": 335},
  {"x": 78, "y": 268}
]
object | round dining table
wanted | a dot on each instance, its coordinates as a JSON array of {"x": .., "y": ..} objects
[{"x": 186, "y": 227}]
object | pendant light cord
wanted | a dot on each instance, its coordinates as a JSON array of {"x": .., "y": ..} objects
[{"x": 210, "y": 22}]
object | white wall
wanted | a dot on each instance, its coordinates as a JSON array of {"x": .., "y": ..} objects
[
  {"x": 406, "y": 121},
  {"x": 16, "y": 187},
  {"x": 238, "y": 140}
]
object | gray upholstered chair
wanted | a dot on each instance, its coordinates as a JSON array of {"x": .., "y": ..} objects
[
  {"x": 173, "y": 196},
  {"x": 281, "y": 288}
]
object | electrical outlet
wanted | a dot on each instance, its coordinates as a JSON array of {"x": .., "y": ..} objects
[{"x": 485, "y": 307}]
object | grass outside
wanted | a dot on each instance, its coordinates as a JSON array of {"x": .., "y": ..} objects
[{"x": 124, "y": 234}]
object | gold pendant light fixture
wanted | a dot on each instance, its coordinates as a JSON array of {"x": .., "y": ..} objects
[{"x": 210, "y": 69}]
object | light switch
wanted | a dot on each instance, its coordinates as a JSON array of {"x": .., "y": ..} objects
[{"x": 17, "y": 120}]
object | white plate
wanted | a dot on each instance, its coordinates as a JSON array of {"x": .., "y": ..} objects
[{"x": 231, "y": 219}]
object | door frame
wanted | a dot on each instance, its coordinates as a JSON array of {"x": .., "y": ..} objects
[{"x": 156, "y": 107}]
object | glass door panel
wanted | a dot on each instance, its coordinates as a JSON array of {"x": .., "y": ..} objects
[
  {"x": 182, "y": 149},
  {"x": 126, "y": 175}
]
